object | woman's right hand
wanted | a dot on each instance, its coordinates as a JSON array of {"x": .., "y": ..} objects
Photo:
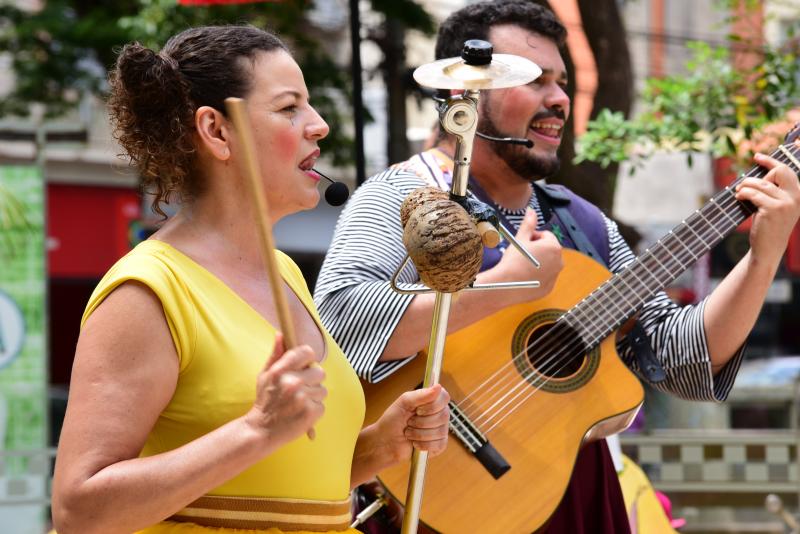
[{"x": 289, "y": 394}]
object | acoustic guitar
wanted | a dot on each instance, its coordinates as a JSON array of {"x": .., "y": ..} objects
[{"x": 533, "y": 382}]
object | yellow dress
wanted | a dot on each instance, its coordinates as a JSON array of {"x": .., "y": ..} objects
[
  {"x": 646, "y": 514},
  {"x": 222, "y": 344}
]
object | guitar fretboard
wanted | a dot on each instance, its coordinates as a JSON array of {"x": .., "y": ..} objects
[{"x": 610, "y": 305}]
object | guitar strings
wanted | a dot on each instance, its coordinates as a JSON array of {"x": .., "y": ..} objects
[
  {"x": 712, "y": 226},
  {"x": 557, "y": 333},
  {"x": 554, "y": 339},
  {"x": 730, "y": 201},
  {"x": 571, "y": 350},
  {"x": 604, "y": 296},
  {"x": 643, "y": 261},
  {"x": 568, "y": 348}
]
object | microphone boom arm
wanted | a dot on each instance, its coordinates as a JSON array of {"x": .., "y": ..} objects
[{"x": 510, "y": 140}]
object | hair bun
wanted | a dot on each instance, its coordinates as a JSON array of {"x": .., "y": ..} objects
[
  {"x": 149, "y": 111},
  {"x": 151, "y": 82},
  {"x": 141, "y": 68}
]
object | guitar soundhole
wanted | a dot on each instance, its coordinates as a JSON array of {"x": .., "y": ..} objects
[{"x": 555, "y": 353}]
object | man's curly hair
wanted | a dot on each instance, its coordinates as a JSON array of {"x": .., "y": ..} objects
[{"x": 475, "y": 20}]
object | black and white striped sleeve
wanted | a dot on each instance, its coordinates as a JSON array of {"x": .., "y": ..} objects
[
  {"x": 353, "y": 294},
  {"x": 678, "y": 337}
]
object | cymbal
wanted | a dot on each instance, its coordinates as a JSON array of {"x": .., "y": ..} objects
[{"x": 505, "y": 70}]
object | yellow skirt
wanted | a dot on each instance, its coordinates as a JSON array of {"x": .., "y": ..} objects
[
  {"x": 257, "y": 515},
  {"x": 231, "y": 513},
  {"x": 169, "y": 527}
]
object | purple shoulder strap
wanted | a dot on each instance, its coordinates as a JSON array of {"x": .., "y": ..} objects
[{"x": 579, "y": 224}]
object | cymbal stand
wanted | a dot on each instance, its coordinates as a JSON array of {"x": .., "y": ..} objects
[{"x": 459, "y": 117}]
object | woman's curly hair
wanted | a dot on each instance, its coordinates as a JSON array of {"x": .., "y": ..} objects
[{"x": 154, "y": 97}]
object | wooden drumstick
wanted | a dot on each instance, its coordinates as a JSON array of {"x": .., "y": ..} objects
[
  {"x": 236, "y": 109},
  {"x": 489, "y": 234}
]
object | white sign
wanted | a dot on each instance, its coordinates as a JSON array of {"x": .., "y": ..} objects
[{"x": 12, "y": 330}]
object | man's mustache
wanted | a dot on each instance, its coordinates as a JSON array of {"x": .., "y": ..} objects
[{"x": 550, "y": 113}]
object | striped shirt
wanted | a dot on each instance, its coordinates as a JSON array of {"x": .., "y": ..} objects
[{"x": 360, "y": 309}]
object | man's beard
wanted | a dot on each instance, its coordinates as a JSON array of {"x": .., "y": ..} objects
[{"x": 520, "y": 159}]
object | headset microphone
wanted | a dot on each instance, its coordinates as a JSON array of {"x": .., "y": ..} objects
[
  {"x": 510, "y": 140},
  {"x": 337, "y": 193}
]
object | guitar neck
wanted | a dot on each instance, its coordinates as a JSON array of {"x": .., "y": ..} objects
[{"x": 611, "y": 304}]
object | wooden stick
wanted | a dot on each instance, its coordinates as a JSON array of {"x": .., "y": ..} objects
[
  {"x": 238, "y": 113},
  {"x": 236, "y": 109}
]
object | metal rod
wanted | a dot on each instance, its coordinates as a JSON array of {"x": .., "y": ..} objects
[
  {"x": 460, "y": 118},
  {"x": 358, "y": 105},
  {"x": 419, "y": 459},
  {"x": 513, "y": 240},
  {"x": 424, "y": 290},
  {"x": 369, "y": 511},
  {"x": 531, "y": 284}
]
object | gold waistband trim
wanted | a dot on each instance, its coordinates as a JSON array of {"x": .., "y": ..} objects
[{"x": 263, "y": 513}]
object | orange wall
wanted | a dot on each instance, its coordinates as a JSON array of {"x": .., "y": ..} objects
[{"x": 582, "y": 57}]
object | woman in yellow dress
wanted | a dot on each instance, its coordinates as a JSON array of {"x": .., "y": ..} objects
[{"x": 179, "y": 418}]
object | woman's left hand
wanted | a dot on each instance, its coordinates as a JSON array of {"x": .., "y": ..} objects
[{"x": 417, "y": 419}]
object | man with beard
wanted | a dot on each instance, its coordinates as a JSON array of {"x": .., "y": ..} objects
[{"x": 699, "y": 347}]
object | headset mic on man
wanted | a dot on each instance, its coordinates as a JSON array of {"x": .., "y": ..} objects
[{"x": 510, "y": 140}]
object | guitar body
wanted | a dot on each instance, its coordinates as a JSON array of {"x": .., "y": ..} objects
[{"x": 537, "y": 429}]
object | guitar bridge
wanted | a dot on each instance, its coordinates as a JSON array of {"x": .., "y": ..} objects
[{"x": 476, "y": 443}]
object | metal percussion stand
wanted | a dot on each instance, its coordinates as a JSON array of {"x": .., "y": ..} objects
[{"x": 459, "y": 117}]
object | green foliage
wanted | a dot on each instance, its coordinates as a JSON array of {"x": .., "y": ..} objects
[
  {"x": 57, "y": 53},
  {"x": 710, "y": 109},
  {"x": 64, "y": 51},
  {"x": 328, "y": 84},
  {"x": 610, "y": 136},
  {"x": 413, "y": 15}
]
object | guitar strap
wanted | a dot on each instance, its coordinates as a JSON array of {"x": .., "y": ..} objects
[{"x": 554, "y": 201}]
